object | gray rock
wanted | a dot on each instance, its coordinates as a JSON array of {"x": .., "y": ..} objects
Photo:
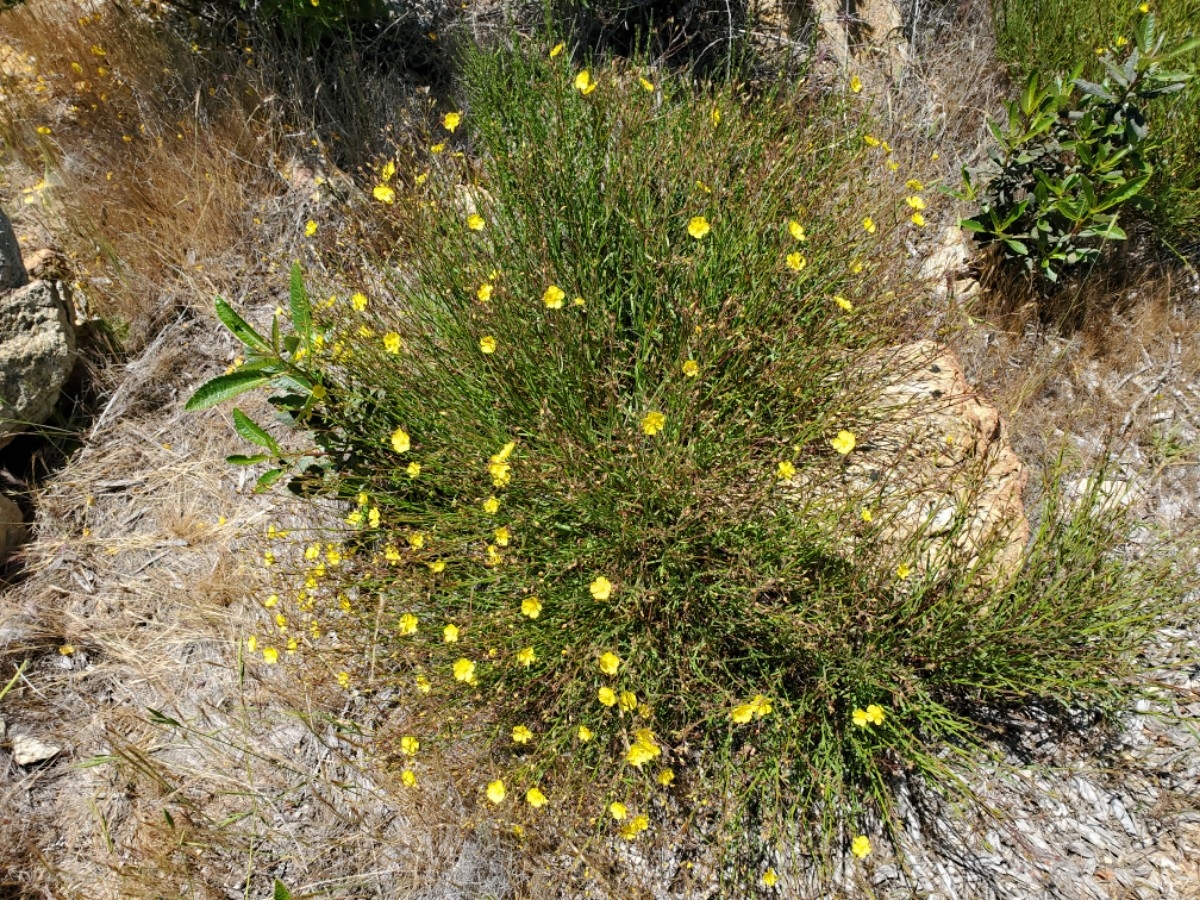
[
  {"x": 12, "y": 269},
  {"x": 37, "y": 351}
]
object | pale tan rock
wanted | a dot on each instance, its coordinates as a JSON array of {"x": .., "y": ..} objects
[
  {"x": 28, "y": 750},
  {"x": 947, "y": 269},
  {"x": 37, "y": 352}
]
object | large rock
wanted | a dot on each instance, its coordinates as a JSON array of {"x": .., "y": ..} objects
[
  {"x": 37, "y": 351},
  {"x": 940, "y": 467},
  {"x": 12, "y": 269},
  {"x": 947, "y": 270},
  {"x": 933, "y": 468}
]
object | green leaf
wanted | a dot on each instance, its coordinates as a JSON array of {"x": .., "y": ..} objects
[
  {"x": 281, "y": 891},
  {"x": 298, "y": 298},
  {"x": 241, "y": 328},
  {"x": 267, "y": 479},
  {"x": 161, "y": 718},
  {"x": 1123, "y": 193},
  {"x": 238, "y": 459},
  {"x": 1016, "y": 247},
  {"x": 252, "y": 432},
  {"x": 223, "y": 387}
]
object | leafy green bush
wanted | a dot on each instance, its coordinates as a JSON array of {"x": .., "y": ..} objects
[
  {"x": 1049, "y": 38},
  {"x": 1067, "y": 166},
  {"x": 581, "y": 445}
]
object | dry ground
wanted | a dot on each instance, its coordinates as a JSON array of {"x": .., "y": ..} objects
[{"x": 185, "y": 773}]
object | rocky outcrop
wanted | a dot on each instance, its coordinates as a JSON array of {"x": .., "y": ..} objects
[
  {"x": 947, "y": 269},
  {"x": 932, "y": 478},
  {"x": 863, "y": 36},
  {"x": 37, "y": 352}
]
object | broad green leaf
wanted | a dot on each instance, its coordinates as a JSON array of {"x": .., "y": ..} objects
[
  {"x": 239, "y": 459},
  {"x": 247, "y": 428},
  {"x": 298, "y": 298},
  {"x": 1123, "y": 193},
  {"x": 241, "y": 328},
  {"x": 223, "y": 387},
  {"x": 1016, "y": 247},
  {"x": 267, "y": 479},
  {"x": 281, "y": 891}
]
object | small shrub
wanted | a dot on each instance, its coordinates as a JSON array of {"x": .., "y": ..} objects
[
  {"x": 574, "y": 445},
  {"x": 1067, "y": 165}
]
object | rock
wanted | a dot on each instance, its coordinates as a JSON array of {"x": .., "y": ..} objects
[
  {"x": 47, "y": 264},
  {"x": 27, "y": 750},
  {"x": 13, "y": 531},
  {"x": 12, "y": 269},
  {"x": 37, "y": 351},
  {"x": 863, "y": 33},
  {"x": 933, "y": 466},
  {"x": 947, "y": 269}
]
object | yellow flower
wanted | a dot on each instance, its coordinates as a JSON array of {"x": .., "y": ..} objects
[
  {"x": 892, "y": 164},
  {"x": 270, "y": 655},
  {"x": 423, "y": 684},
  {"x": 843, "y": 303},
  {"x": 715, "y": 115},
  {"x": 578, "y": 301},
  {"x": 796, "y": 262},
  {"x": 635, "y": 827},
  {"x": 903, "y": 571},
  {"x": 526, "y": 657},
  {"x": 653, "y": 423},
  {"x": 1122, "y": 41},
  {"x": 495, "y": 791},
  {"x": 918, "y": 220},
  {"x": 409, "y": 746},
  {"x": 400, "y": 441},
  {"x": 343, "y": 679},
  {"x": 867, "y": 515},
  {"x": 409, "y": 778},
  {"x": 553, "y": 297},
  {"x": 408, "y": 624},
  {"x": 742, "y": 714},
  {"x": 521, "y": 735},
  {"x": 43, "y": 129},
  {"x": 556, "y": 50},
  {"x": 585, "y": 734},
  {"x": 450, "y": 121},
  {"x": 416, "y": 540},
  {"x": 855, "y": 83},
  {"x": 666, "y": 777},
  {"x": 437, "y": 566},
  {"x": 584, "y": 83},
  {"x": 413, "y": 469},
  {"x": 532, "y": 607},
  {"x": 502, "y": 536},
  {"x": 785, "y": 471},
  {"x": 475, "y": 222},
  {"x": 915, "y": 202},
  {"x": 450, "y": 634},
  {"x": 760, "y": 706},
  {"x": 271, "y": 601},
  {"x": 383, "y": 193},
  {"x": 698, "y": 227},
  {"x": 796, "y": 230},
  {"x": 310, "y": 228},
  {"x": 691, "y": 368},
  {"x": 617, "y": 810},
  {"x": 627, "y": 701},
  {"x": 391, "y": 342},
  {"x": 644, "y": 749},
  {"x": 464, "y": 670},
  {"x": 913, "y": 185},
  {"x": 869, "y": 225},
  {"x": 501, "y": 473},
  {"x": 646, "y": 85},
  {"x": 535, "y": 798},
  {"x": 607, "y": 696},
  {"x": 875, "y": 714},
  {"x": 438, "y": 148},
  {"x": 484, "y": 294},
  {"x": 601, "y": 588},
  {"x": 609, "y": 663},
  {"x": 389, "y": 169},
  {"x": 870, "y": 141},
  {"x": 1143, "y": 7},
  {"x": 491, "y": 505},
  {"x": 770, "y": 879},
  {"x": 860, "y": 846},
  {"x": 844, "y": 442}
]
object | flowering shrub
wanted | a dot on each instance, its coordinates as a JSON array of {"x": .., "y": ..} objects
[{"x": 575, "y": 443}]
